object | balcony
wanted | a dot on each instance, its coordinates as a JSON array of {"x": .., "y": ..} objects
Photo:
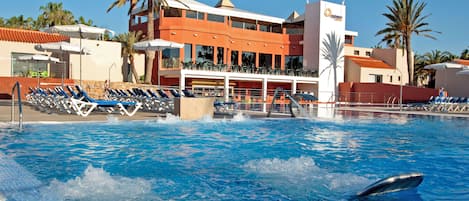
[{"x": 208, "y": 66}]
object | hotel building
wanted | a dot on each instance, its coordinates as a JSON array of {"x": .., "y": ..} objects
[{"x": 227, "y": 47}]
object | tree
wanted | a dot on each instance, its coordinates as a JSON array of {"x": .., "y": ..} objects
[
  {"x": 333, "y": 52},
  {"x": 82, "y": 20},
  {"x": 2, "y": 22},
  {"x": 152, "y": 7},
  {"x": 464, "y": 54},
  {"x": 405, "y": 18},
  {"x": 128, "y": 40},
  {"x": 20, "y": 22},
  {"x": 433, "y": 57},
  {"x": 54, "y": 14}
]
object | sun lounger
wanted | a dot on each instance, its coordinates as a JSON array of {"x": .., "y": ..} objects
[{"x": 87, "y": 104}]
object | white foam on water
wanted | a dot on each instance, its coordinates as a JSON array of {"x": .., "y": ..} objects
[
  {"x": 97, "y": 184},
  {"x": 112, "y": 119},
  {"x": 239, "y": 117},
  {"x": 169, "y": 119},
  {"x": 299, "y": 175}
]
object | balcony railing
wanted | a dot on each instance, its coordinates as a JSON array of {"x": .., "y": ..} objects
[{"x": 207, "y": 66}]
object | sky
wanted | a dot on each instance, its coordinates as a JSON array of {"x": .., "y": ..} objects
[{"x": 363, "y": 16}]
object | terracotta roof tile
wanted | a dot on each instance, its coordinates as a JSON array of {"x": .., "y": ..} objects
[
  {"x": 462, "y": 62},
  {"x": 368, "y": 62},
  {"x": 29, "y": 36}
]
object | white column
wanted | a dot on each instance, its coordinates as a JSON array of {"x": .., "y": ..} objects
[
  {"x": 293, "y": 87},
  {"x": 182, "y": 83},
  {"x": 264, "y": 95},
  {"x": 227, "y": 88}
]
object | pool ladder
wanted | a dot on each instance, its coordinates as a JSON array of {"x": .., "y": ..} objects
[
  {"x": 17, "y": 86},
  {"x": 293, "y": 102}
]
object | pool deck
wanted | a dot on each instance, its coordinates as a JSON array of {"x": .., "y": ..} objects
[{"x": 32, "y": 115}]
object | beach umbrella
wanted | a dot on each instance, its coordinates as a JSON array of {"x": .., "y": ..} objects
[
  {"x": 62, "y": 47},
  {"x": 157, "y": 45},
  {"x": 37, "y": 58},
  {"x": 79, "y": 31},
  {"x": 443, "y": 66}
]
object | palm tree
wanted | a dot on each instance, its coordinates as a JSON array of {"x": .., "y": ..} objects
[
  {"x": 332, "y": 52},
  {"x": 152, "y": 7},
  {"x": 2, "y": 22},
  {"x": 464, "y": 54},
  {"x": 128, "y": 40},
  {"x": 405, "y": 18},
  {"x": 433, "y": 57},
  {"x": 54, "y": 14},
  {"x": 82, "y": 20},
  {"x": 392, "y": 40},
  {"x": 20, "y": 22}
]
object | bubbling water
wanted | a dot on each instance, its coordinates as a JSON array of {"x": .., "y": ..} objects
[{"x": 97, "y": 184}]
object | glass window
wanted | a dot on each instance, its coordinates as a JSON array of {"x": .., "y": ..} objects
[
  {"x": 172, "y": 12},
  {"x": 28, "y": 68},
  {"x": 191, "y": 14},
  {"x": 250, "y": 26},
  {"x": 170, "y": 58},
  {"x": 204, "y": 54},
  {"x": 264, "y": 28},
  {"x": 237, "y": 24},
  {"x": 265, "y": 60},
  {"x": 356, "y": 52},
  {"x": 234, "y": 57},
  {"x": 187, "y": 52},
  {"x": 215, "y": 18},
  {"x": 390, "y": 78},
  {"x": 220, "y": 55},
  {"x": 278, "y": 61},
  {"x": 368, "y": 53},
  {"x": 277, "y": 28},
  {"x": 348, "y": 39},
  {"x": 293, "y": 62},
  {"x": 295, "y": 31},
  {"x": 249, "y": 59}
]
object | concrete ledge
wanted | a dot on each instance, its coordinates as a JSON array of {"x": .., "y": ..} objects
[{"x": 194, "y": 108}]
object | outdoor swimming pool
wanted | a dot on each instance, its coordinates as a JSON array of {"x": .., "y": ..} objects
[{"x": 242, "y": 159}]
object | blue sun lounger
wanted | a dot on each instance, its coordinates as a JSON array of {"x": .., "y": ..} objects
[{"x": 86, "y": 105}]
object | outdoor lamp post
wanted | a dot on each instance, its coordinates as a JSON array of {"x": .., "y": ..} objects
[
  {"x": 109, "y": 72},
  {"x": 400, "y": 89}
]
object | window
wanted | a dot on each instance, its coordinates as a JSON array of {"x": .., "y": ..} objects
[
  {"x": 295, "y": 31},
  {"x": 204, "y": 54},
  {"x": 399, "y": 78},
  {"x": 356, "y": 52},
  {"x": 277, "y": 28},
  {"x": 264, "y": 28},
  {"x": 265, "y": 60},
  {"x": 172, "y": 12},
  {"x": 249, "y": 59},
  {"x": 390, "y": 78},
  {"x": 170, "y": 58},
  {"x": 215, "y": 18},
  {"x": 376, "y": 78},
  {"x": 194, "y": 14},
  {"x": 187, "y": 52},
  {"x": 368, "y": 53},
  {"x": 234, "y": 57},
  {"x": 220, "y": 55},
  {"x": 349, "y": 40},
  {"x": 293, "y": 62},
  {"x": 243, "y": 24},
  {"x": 34, "y": 69},
  {"x": 278, "y": 61}
]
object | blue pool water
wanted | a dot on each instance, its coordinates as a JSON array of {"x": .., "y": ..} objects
[{"x": 243, "y": 159}]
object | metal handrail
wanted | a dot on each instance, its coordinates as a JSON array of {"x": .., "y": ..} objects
[{"x": 20, "y": 106}]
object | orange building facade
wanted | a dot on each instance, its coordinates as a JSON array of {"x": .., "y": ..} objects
[{"x": 230, "y": 48}]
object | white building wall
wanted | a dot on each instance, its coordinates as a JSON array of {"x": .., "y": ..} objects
[
  {"x": 105, "y": 57},
  {"x": 7, "y": 48},
  {"x": 322, "y": 19}
]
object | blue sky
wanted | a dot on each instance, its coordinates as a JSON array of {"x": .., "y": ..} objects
[{"x": 363, "y": 16}]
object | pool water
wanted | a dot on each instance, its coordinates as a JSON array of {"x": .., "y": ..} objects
[{"x": 242, "y": 159}]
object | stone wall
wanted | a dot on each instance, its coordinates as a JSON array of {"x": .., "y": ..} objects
[{"x": 96, "y": 89}]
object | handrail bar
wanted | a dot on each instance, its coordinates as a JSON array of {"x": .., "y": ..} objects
[{"x": 20, "y": 106}]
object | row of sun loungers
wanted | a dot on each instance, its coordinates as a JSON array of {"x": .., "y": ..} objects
[
  {"x": 77, "y": 101},
  {"x": 126, "y": 102},
  {"x": 444, "y": 104}
]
